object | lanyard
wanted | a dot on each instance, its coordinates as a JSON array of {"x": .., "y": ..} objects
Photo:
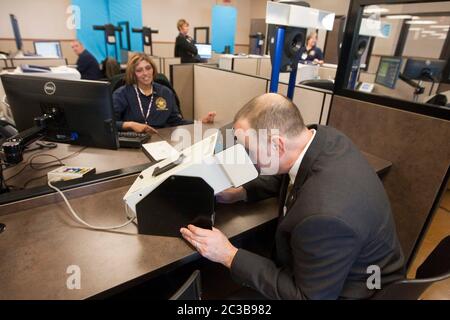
[{"x": 140, "y": 105}]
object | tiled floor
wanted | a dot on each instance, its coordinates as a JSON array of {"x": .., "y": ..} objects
[{"x": 439, "y": 229}]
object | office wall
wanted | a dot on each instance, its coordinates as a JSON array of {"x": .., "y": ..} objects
[
  {"x": 164, "y": 14},
  {"x": 159, "y": 14},
  {"x": 43, "y": 19}
]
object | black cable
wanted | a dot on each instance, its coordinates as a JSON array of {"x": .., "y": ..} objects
[{"x": 34, "y": 156}]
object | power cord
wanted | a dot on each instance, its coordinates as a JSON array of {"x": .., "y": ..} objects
[{"x": 72, "y": 211}]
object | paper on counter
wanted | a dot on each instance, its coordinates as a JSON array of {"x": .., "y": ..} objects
[{"x": 160, "y": 150}]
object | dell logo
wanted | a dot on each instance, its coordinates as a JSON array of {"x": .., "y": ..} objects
[{"x": 50, "y": 88}]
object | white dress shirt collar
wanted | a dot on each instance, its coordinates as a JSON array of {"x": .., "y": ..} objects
[{"x": 294, "y": 170}]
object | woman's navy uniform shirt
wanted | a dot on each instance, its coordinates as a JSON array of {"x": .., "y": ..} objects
[
  {"x": 164, "y": 111},
  {"x": 311, "y": 54}
]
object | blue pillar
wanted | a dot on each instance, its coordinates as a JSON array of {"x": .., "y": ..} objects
[
  {"x": 279, "y": 45},
  {"x": 292, "y": 79}
]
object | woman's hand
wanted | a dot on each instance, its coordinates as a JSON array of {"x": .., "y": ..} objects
[
  {"x": 209, "y": 118},
  {"x": 138, "y": 127}
]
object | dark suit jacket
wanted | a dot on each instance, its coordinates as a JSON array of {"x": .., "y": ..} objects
[
  {"x": 88, "y": 66},
  {"x": 186, "y": 50},
  {"x": 338, "y": 223}
]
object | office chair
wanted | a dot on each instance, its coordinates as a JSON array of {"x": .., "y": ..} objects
[
  {"x": 110, "y": 68},
  {"x": 191, "y": 289},
  {"x": 319, "y": 83},
  {"x": 435, "y": 268}
]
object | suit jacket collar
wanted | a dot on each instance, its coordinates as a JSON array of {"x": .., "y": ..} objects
[{"x": 311, "y": 155}]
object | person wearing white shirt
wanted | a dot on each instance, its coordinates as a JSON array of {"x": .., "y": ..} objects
[{"x": 334, "y": 222}]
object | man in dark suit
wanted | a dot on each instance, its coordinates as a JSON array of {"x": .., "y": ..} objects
[
  {"x": 184, "y": 45},
  {"x": 335, "y": 223},
  {"x": 87, "y": 65}
]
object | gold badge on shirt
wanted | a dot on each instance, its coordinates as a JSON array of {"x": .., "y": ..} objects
[{"x": 161, "y": 104}]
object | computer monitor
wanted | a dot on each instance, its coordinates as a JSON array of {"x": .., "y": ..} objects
[
  {"x": 82, "y": 111},
  {"x": 204, "y": 51},
  {"x": 17, "y": 36},
  {"x": 424, "y": 69},
  {"x": 388, "y": 71},
  {"x": 48, "y": 49}
]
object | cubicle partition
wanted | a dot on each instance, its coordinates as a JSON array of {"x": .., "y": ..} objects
[
  {"x": 201, "y": 88},
  {"x": 223, "y": 91},
  {"x": 166, "y": 62},
  {"x": 252, "y": 65},
  {"x": 43, "y": 62},
  {"x": 246, "y": 65},
  {"x": 182, "y": 78},
  {"x": 416, "y": 144},
  {"x": 313, "y": 103}
]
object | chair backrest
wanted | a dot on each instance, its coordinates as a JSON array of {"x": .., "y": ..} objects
[
  {"x": 437, "y": 263},
  {"x": 319, "y": 83},
  {"x": 111, "y": 67},
  {"x": 191, "y": 289},
  {"x": 407, "y": 289},
  {"x": 117, "y": 81},
  {"x": 435, "y": 268}
]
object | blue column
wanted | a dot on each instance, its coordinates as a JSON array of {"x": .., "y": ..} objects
[{"x": 279, "y": 45}]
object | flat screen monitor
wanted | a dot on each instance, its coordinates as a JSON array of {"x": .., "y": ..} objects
[
  {"x": 204, "y": 51},
  {"x": 48, "y": 49},
  {"x": 388, "y": 71},
  {"x": 424, "y": 69},
  {"x": 16, "y": 31},
  {"x": 82, "y": 111}
]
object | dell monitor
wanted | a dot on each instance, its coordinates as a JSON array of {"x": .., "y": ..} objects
[
  {"x": 388, "y": 71},
  {"x": 81, "y": 112},
  {"x": 204, "y": 51},
  {"x": 48, "y": 49},
  {"x": 424, "y": 69},
  {"x": 16, "y": 31}
]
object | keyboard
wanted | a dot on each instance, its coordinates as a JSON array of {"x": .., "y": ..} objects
[{"x": 130, "y": 139}]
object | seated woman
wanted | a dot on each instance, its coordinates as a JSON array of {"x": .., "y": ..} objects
[
  {"x": 311, "y": 53},
  {"x": 142, "y": 105}
]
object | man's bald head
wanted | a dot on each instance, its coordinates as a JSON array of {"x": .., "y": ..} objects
[{"x": 272, "y": 111}]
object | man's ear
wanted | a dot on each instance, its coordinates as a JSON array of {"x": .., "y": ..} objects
[{"x": 278, "y": 145}]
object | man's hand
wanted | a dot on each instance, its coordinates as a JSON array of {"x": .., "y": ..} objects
[
  {"x": 211, "y": 244},
  {"x": 138, "y": 127},
  {"x": 232, "y": 195},
  {"x": 209, "y": 118}
]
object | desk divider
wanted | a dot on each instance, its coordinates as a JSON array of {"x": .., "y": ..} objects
[
  {"x": 182, "y": 79},
  {"x": 416, "y": 144},
  {"x": 223, "y": 91},
  {"x": 43, "y": 62},
  {"x": 246, "y": 65}
]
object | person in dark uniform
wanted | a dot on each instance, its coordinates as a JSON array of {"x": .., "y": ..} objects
[
  {"x": 87, "y": 65},
  {"x": 184, "y": 45},
  {"x": 311, "y": 53},
  {"x": 143, "y": 105},
  {"x": 336, "y": 237}
]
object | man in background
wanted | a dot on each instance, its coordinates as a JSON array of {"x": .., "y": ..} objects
[{"x": 87, "y": 65}]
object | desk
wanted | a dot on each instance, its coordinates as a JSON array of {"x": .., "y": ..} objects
[
  {"x": 42, "y": 240},
  {"x": 108, "y": 163}
]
